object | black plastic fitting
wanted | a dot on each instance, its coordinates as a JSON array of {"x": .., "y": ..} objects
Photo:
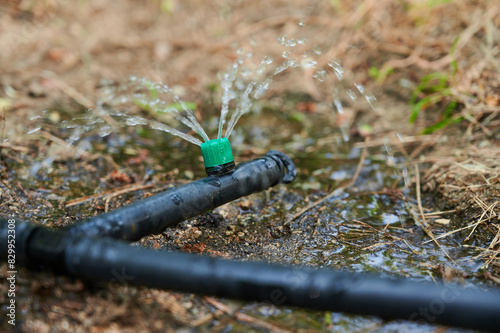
[{"x": 221, "y": 170}]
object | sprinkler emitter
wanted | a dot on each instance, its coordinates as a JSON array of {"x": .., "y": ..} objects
[{"x": 218, "y": 157}]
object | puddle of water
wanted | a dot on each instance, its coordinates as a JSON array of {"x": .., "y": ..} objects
[{"x": 366, "y": 229}]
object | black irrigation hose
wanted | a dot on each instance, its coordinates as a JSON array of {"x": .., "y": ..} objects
[
  {"x": 107, "y": 259},
  {"x": 79, "y": 252},
  {"x": 154, "y": 214}
]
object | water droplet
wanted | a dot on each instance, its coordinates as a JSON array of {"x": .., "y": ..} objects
[
  {"x": 316, "y": 50},
  {"x": 301, "y": 23},
  {"x": 320, "y": 75},
  {"x": 345, "y": 134},
  {"x": 286, "y": 54},
  {"x": 308, "y": 63},
  {"x": 352, "y": 95},
  {"x": 261, "y": 89},
  {"x": 389, "y": 218},
  {"x": 302, "y": 41},
  {"x": 214, "y": 182},
  {"x": 339, "y": 175},
  {"x": 263, "y": 64},
  {"x": 282, "y": 40},
  {"x": 280, "y": 68},
  {"x": 75, "y": 135},
  {"x": 371, "y": 100},
  {"x": 135, "y": 120},
  {"x": 226, "y": 84},
  {"x": 360, "y": 88},
  {"x": 338, "y": 105},
  {"x": 176, "y": 199},
  {"x": 406, "y": 177},
  {"x": 34, "y": 130},
  {"x": 291, "y": 42},
  {"x": 246, "y": 71},
  {"x": 239, "y": 84},
  {"x": 105, "y": 131},
  {"x": 83, "y": 146},
  {"x": 293, "y": 63},
  {"x": 337, "y": 68}
]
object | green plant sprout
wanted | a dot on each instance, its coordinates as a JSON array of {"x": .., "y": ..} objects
[
  {"x": 437, "y": 88},
  {"x": 380, "y": 74}
]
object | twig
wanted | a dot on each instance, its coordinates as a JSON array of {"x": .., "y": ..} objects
[
  {"x": 440, "y": 212},
  {"x": 112, "y": 193},
  {"x": 425, "y": 225},
  {"x": 367, "y": 225},
  {"x": 81, "y": 152},
  {"x": 457, "y": 230},
  {"x": 490, "y": 208},
  {"x": 338, "y": 189},
  {"x": 402, "y": 140},
  {"x": 66, "y": 89},
  {"x": 491, "y": 277},
  {"x": 244, "y": 317},
  {"x": 494, "y": 242},
  {"x": 15, "y": 148}
]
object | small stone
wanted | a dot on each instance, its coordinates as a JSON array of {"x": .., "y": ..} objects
[{"x": 245, "y": 204}]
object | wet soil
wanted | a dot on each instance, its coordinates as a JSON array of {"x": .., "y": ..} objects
[{"x": 58, "y": 57}]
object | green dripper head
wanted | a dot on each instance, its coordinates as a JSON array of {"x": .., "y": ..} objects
[{"x": 217, "y": 156}]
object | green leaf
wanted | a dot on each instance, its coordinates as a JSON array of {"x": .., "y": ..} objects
[
  {"x": 374, "y": 72},
  {"x": 365, "y": 128},
  {"x": 424, "y": 103},
  {"x": 433, "y": 3},
  {"x": 380, "y": 75},
  {"x": 167, "y": 6},
  {"x": 442, "y": 124},
  {"x": 449, "y": 109},
  {"x": 415, "y": 110},
  {"x": 213, "y": 87},
  {"x": 297, "y": 116},
  {"x": 454, "y": 45}
]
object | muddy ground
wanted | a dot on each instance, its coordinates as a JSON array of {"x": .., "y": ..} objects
[{"x": 58, "y": 57}]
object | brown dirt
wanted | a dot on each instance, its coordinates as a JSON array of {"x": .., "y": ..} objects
[{"x": 56, "y": 53}]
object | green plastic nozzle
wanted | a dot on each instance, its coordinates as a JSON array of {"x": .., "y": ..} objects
[{"x": 217, "y": 153}]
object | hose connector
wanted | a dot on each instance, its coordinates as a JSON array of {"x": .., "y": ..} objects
[{"x": 218, "y": 157}]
